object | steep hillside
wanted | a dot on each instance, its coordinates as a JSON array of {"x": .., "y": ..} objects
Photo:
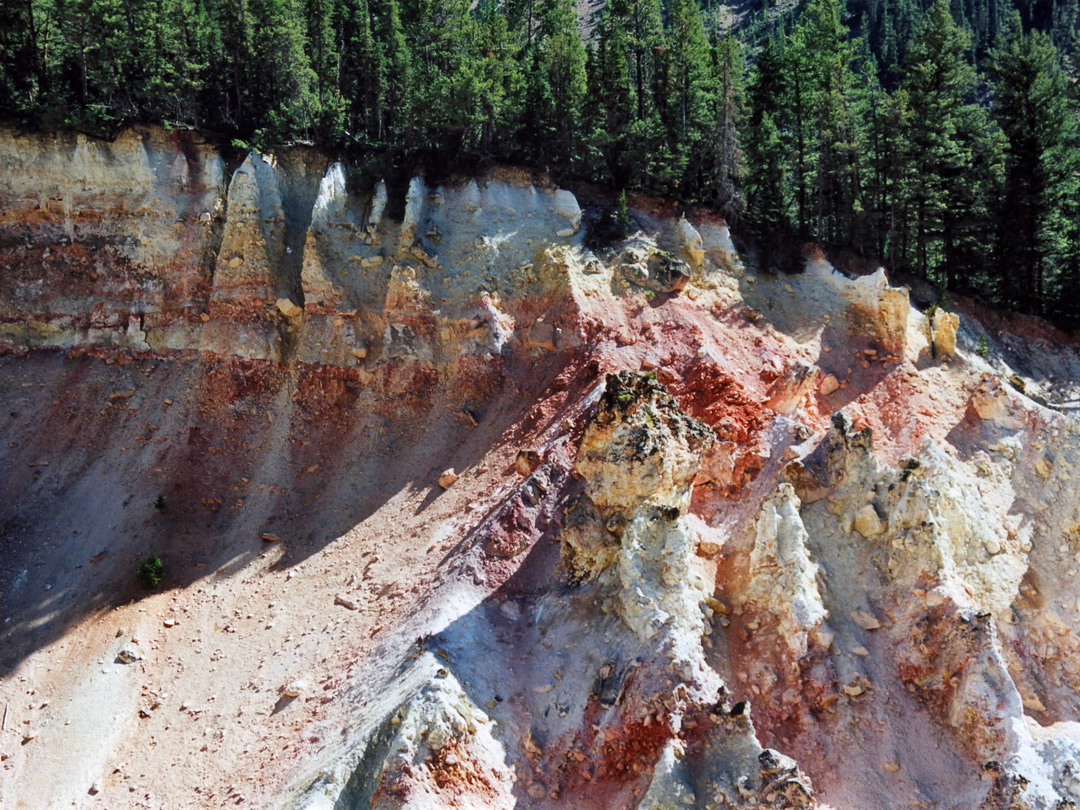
[{"x": 456, "y": 511}]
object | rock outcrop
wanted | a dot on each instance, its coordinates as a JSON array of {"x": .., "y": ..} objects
[{"x": 456, "y": 511}]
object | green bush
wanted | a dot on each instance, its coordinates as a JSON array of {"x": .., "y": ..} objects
[{"x": 151, "y": 571}]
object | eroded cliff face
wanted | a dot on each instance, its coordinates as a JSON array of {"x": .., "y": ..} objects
[{"x": 705, "y": 537}]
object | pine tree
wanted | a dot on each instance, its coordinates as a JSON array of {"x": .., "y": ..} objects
[
  {"x": 21, "y": 72},
  {"x": 611, "y": 98},
  {"x": 728, "y": 165},
  {"x": 1031, "y": 106},
  {"x": 394, "y": 71},
  {"x": 769, "y": 156},
  {"x": 359, "y": 70},
  {"x": 562, "y": 65},
  {"x": 825, "y": 122},
  {"x": 688, "y": 62},
  {"x": 947, "y": 143},
  {"x": 281, "y": 82}
]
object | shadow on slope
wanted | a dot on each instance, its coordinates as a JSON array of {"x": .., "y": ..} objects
[{"x": 210, "y": 463}]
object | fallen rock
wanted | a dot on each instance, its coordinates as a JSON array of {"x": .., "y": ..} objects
[
  {"x": 448, "y": 477},
  {"x": 542, "y": 336},
  {"x": 655, "y": 270},
  {"x": 867, "y": 523},
  {"x": 865, "y": 620},
  {"x": 789, "y": 389},
  {"x": 345, "y": 602},
  {"x": 943, "y": 328},
  {"x": 566, "y": 206},
  {"x": 287, "y": 308},
  {"x": 527, "y": 462},
  {"x": 829, "y": 385},
  {"x": 692, "y": 245},
  {"x": 126, "y": 657},
  {"x": 294, "y": 689}
]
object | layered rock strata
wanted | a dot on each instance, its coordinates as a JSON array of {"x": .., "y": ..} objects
[{"x": 456, "y": 510}]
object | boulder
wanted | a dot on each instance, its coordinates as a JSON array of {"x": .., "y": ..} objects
[
  {"x": 655, "y": 270},
  {"x": 527, "y": 462},
  {"x": 542, "y": 336},
  {"x": 943, "y": 328},
  {"x": 788, "y": 390},
  {"x": 287, "y": 308},
  {"x": 692, "y": 245},
  {"x": 867, "y": 523}
]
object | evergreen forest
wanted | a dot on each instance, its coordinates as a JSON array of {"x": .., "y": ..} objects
[{"x": 939, "y": 138}]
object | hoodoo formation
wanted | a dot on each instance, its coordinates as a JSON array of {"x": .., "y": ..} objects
[{"x": 460, "y": 505}]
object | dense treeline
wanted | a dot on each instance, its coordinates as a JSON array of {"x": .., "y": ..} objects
[{"x": 939, "y": 137}]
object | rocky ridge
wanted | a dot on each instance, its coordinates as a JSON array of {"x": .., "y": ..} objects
[{"x": 713, "y": 538}]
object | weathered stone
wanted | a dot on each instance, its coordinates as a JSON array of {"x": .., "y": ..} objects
[
  {"x": 692, "y": 245},
  {"x": 527, "y": 462},
  {"x": 829, "y": 385},
  {"x": 345, "y": 602},
  {"x": 655, "y": 270},
  {"x": 294, "y": 689},
  {"x": 287, "y": 308},
  {"x": 790, "y": 388},
  {"x": 943, "y": 328},
  {"x": 865, "y": 620},
  {"x": 448, "y": 478},
  {"x": 542, "y": 336},
  {"x": 867, "y": 523}
]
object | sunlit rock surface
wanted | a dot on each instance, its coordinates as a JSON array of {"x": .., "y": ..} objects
[{"x": 459, "y": 507}]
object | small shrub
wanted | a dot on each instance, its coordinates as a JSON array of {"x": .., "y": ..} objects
[
  {"x": 984, "y": 347},
  {"x": 151, "y": 571},
  {"x": 623, "y": 216}
]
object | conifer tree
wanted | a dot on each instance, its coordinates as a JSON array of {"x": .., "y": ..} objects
[
  {"x": 947, "y": 143},
  {"x": 688, "y": 62},
  {"x": 359, "y": 70},
  {"x": 21, "y": 72},
  {"x": 1032, "y": 109},
  {"x": 562, "y": 66},
  {"x": 611, "y": 97},
  {"x": 394, "y": 69},
  {"x": 728, "y": 165},
  {"x": 768, "y": 149}
]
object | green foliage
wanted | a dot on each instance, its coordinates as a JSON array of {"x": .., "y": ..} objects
[
  {"x": 151, "y": 572},
  {"x": 622, "y": 215},
  {"x": 983, "y": 349},
  {"x": 1037, "y": 233},
  {"x": 939, "y": 137}
]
